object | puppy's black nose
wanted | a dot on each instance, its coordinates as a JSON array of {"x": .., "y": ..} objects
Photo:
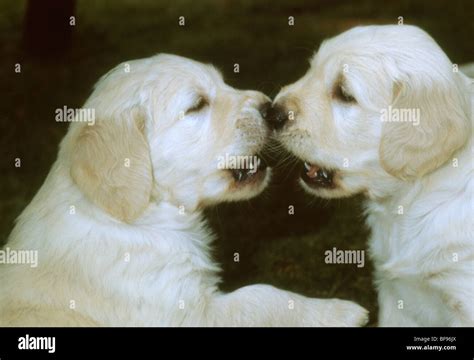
[
  {"x": 265, "y": 108},
  {"x": 276, "y": 116}
]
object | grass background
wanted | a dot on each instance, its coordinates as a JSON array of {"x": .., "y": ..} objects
[{"x": 274, "y": 247}]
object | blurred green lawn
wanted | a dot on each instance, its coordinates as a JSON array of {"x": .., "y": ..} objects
[{"x": 274, "y": 247}]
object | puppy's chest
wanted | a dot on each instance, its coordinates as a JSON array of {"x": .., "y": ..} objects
[{"x": 392, "y": 244}]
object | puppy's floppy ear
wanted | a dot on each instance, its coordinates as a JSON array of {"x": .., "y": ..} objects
[
  {"x": 408, "y": 150},
  {"x": 111, "y": 164}
]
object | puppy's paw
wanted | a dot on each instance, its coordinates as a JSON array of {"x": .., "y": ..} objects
[{"x": 344, "y": 313}]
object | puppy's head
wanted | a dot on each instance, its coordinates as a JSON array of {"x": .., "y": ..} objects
[
  {"x": 168, "y": 129},
  {"x": 378, "y": 103}
]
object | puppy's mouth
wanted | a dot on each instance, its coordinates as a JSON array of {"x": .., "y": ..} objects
[
  {"x": 253, "y": 171},
  {"x": 317, "y": 177}
]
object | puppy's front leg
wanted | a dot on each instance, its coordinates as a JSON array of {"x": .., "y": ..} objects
[
  {"x": 264, "y": 305},
  {"x": 389, "y": 312}
]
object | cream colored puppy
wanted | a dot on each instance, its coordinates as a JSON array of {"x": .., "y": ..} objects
[
  {"x": 118, "y": 227},
  {"x": 382, "y": 111}
]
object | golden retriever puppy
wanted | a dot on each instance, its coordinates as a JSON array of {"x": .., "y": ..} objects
[
  {"x": 382, "y": 111},
  {"x": 118, "y": 223}
]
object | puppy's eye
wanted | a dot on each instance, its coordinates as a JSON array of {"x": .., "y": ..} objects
[
  {"x": 341, "y": 94},
  {"x": 200, "y": 104}
]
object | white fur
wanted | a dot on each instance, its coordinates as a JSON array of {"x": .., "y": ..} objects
[
  {"x": 418, "y": 179},
  {"x": 105, "y": 265}
]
